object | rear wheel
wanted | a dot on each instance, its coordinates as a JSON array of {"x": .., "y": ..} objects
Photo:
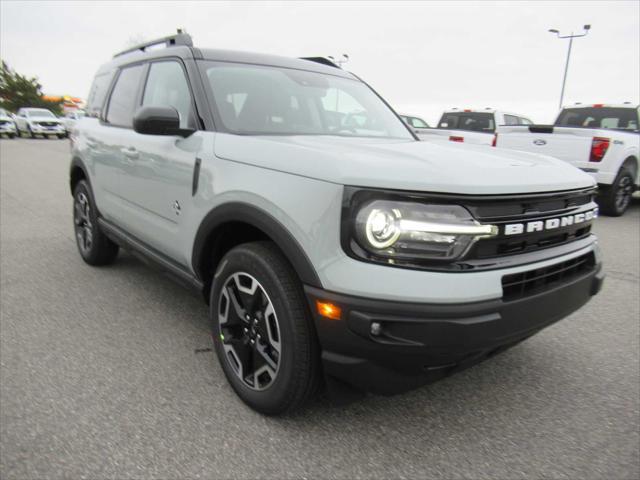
[
  {"x": 94, "y": 246},
  {"x": 30, "y": 132},
  {"x": 615, "y": 199},
  {"x": 262, "y": 330}
]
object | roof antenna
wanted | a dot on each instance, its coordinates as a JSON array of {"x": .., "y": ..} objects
[{"x": 345, "y": 59}]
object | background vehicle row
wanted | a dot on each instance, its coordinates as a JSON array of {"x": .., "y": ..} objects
[{"x": 602, "y": 140}]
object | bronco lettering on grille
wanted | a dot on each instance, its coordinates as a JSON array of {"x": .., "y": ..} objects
[{"x": 550, "y": 223}]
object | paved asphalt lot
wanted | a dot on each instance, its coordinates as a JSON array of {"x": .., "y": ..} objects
[{"x": 102, "y": 376}]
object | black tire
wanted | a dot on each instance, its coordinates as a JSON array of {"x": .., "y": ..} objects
[
  {"x": 31, "y": 134},
  {"x": 94, "y": 246},
  {"x": 61, "y": 136},
  {"x": 616, "y": 198},
  {"x": 11, "y": 135},
  {"x": 297, "y": 375}
]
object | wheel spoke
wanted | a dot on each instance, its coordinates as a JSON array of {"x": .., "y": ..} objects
[
  {"x": 262, "y": 353},
  {"x": 239, "y": 355},
  {"x": 249, "y": 330},
  {"x": 264, "y": 370},
  {"x": 272, "y": 328},
  {"x": 237, "y": 308}
]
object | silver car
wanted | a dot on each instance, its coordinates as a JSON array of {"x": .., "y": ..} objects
[{"x": 334, "y": 249}]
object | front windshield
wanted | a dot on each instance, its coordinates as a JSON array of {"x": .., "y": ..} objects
[
  {"x": 261, "y": 100},
  {"x": 599, "y": 117},
  {"x": 3, "y": 113},
  {"x": 39, "y": 112}
]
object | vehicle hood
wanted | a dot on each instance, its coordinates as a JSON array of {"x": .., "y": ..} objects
[
  {"x": 44, "y": 119},
  {"x": 404, "y": 164},
  {"x": 4, "y": 118}
]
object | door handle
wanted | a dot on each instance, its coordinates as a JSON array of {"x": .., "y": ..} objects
[{"x": 131, "y": 153}]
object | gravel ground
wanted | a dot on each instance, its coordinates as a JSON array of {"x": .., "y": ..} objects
[{"x": 102, "y": 375}]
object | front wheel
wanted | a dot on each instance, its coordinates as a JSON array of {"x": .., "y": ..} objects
[
  {"x": 615, "y": 199},
  {"x": 262, "y": 330},
  {"x": 94, "y": 246}
]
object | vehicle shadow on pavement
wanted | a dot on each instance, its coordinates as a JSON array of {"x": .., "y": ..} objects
[{"x": 503, "y": 372}]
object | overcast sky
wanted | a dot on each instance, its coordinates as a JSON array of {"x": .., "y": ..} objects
[{"x": 422, "y": 57}]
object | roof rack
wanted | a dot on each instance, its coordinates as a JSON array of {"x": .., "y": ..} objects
[
  {"x": 180, "y": 38},
  {"x": 322, "y": 60}
]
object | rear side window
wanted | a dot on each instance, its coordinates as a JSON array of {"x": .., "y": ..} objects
[
  {"x": 510, "y": 120},
  {"x": 416, "y": 122},
  {"x": 123, "y": 97},
  {"x": 97, "y": 93},
  {"x": 525, "y": 121},
  {"x": 167, "y": 86}
]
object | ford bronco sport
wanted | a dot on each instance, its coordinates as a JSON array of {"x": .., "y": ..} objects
[{"x": 332, "y": 253}]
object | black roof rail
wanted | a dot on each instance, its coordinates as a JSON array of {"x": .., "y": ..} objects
[
  {"x": 180, "y": 38},
  {"x": 322, "y": 60}
]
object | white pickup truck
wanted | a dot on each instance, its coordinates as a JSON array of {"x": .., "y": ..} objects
[
  {"x": 470, "y": 126},
  {"x": 602, "y": 140}
]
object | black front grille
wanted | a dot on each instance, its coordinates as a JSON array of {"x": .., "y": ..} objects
[
  {"x": 3, "y": 122},
  {"x": 531, "y": 208},
  {"x": 48, "y": 124},
  {"x": 519, "y": 285}
]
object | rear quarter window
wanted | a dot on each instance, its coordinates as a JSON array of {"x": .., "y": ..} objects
[{"x": 97, "y": 94}]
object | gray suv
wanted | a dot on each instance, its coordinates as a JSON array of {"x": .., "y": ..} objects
[{"x": 335, "y": 250}]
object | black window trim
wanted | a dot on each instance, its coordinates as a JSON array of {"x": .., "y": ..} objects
[
  {"x": 105, "y": 109},
  {"x": 195, "y": 119}
]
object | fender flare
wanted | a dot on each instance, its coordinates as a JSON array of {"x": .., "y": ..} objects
[
  {"x": 258, "y": 218},
  {"x": 76, "y": 162}
]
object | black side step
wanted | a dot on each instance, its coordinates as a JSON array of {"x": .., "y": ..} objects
[{"x": 149, "y": 254}]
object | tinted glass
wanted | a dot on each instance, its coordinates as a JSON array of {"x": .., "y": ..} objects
[
  {"x": 97, "y": 93},
  {"x": 510, "y": 120},
  {"x": 167, "y": 86},
  {"x": 471, "y": 121},
  {"x": 417, "y": 122},
  {"x": 605, "y": 117},
  {"x": 269, "y": 100},
  {"x": 122, "y": 102}
]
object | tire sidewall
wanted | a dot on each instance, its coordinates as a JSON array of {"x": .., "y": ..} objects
[
  {"x": 83, "y": 187},
  {"x": 270, "y": 399},
  {"x": 615, "y": 209}
]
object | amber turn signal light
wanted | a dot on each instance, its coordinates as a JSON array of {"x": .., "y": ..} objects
[{"x": 329, "y": 310}]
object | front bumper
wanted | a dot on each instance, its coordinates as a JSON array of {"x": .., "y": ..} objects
[
  {"x": 49, "y": 131},
  {"x": 420, "y": 343},
  {"x": 7, "y": 129}
]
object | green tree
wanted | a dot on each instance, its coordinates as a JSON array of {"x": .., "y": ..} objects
[{"x": 17, "y": 91}]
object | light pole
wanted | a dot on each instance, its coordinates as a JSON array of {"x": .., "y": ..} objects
[{"x": 566, "y": 67}]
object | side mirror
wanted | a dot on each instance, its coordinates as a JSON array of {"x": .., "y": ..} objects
[{"x": 159, "y": 121}]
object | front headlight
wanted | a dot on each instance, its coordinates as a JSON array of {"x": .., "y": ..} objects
[{"x": 412, "y": 232}]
